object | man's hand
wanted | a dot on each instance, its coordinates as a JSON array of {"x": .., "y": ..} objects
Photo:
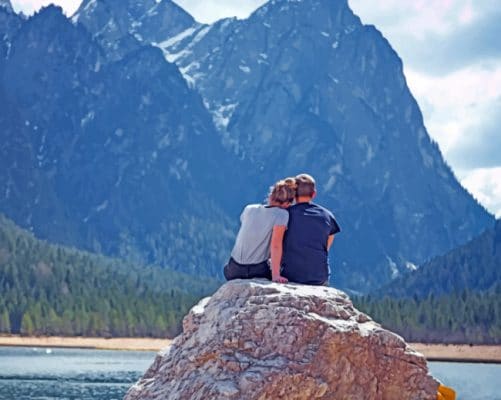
[
  {"x": 280, "y": 279},
  {"x": 329, "y": 241}
]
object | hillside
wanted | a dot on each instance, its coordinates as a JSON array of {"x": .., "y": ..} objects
[
  {"x": 454, "y": 298},
  {"x": 54, "y": 290},
  {"x": 475, "y": 266}
]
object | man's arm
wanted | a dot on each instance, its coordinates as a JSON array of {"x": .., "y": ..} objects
[
  {"x": 329, "y": 241},
  {"x": 277, "y": 237}
]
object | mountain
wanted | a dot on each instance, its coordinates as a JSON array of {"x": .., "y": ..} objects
[
  {"x": 112, "y": 146},
  {"x": 6, "y": 5},
  {"x": 47, "y": 289},
  {"x": 474, "y": 267},
  {"x": 110, "y": 157},
  {"x": 304, "y": 86},
  {"x": 9, "y": 23},
  {"x": 121, "y": 26},
  {"x": 454, "y": 298}
]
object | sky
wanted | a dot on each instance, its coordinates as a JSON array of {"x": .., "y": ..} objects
[{"x": 452, "y": 62}]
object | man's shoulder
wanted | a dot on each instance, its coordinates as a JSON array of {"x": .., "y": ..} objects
[
  {"x": 332, "y": 219},
  {"x": 324, "y": 209},
  {"x": 317, "y": 208}
]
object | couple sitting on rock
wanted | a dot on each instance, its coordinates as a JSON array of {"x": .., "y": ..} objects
[{"x": 286, "y": 240}]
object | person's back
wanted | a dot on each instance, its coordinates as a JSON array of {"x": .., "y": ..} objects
[
  {"x": 252, "y": 245},
  {"x": 309, "y": 235},
  {"x": 258, "y": 246}
]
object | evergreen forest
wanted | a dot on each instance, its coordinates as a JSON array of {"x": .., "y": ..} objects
[
  {"x": 465, "y": 317},
  {"x": 48, "y": 289}
]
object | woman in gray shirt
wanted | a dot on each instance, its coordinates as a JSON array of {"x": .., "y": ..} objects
[{"x": 260, "y": 236}]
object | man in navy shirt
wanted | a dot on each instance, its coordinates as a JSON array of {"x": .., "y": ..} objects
[{"x": 308, "y": 237}]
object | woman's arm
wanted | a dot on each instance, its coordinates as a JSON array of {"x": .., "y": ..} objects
[{"x": 277, "y": 238}]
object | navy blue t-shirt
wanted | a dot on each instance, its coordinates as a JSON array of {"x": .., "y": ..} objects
[{"x": 305, "y": 255}]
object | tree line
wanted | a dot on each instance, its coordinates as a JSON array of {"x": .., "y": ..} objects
[
  {"x": 460, "y": 317},
  {"x": 48, "y": 289}
]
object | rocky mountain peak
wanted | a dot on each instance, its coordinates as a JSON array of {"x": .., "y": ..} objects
[
  {"x": 301, "y": 7},
  {"x": 328, "y": 16},
  {"x": 123, "y": 26}
]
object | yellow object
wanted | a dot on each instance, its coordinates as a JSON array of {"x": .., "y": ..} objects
[{"x": 445, "y": 393}]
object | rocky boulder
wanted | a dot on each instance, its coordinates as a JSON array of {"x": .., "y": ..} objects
[{"x": 260, "y": 340}]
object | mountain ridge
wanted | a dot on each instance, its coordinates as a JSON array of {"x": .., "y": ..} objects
[{"x": 107, "y": 161}]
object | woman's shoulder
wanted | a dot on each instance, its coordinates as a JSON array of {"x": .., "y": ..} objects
[
  {"x": 280, "y": 215},
  {"x": 254, "y": 206}
]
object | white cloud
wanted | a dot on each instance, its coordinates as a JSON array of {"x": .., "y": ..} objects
[
  {"x": 30, "y": 6},
  {"x": 455, "y": 103},
  {"x": 416, "y": 18},
  {"x": 208, "y": 11},
  {"x": 485, "y": 185}
]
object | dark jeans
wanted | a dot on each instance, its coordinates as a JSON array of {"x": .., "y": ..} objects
[{"x": 234, "y": 270}]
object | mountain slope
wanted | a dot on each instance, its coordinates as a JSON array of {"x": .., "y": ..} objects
[
  {"x": 454, "y": 298},
  {"x": 474, "y": 266},
  {"x": 6, "y": 5},
  {"x": 48, "y": 289},
  {"x": 111, "y": 157},
  {"x": 10, "y": 22}
]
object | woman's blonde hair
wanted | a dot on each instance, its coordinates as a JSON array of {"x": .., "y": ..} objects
[{"x": 284, "y": 191}]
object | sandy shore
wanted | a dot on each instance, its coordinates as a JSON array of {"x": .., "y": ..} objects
[
  {"x": 454, "y": 352},
  {"x": 140, "y": 344},
  {"x": 433, "y": 352}
]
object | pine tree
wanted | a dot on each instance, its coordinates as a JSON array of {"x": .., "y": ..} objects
[
  {"x": 5, "y": 322},
  {"x": 27, "y": 327}
]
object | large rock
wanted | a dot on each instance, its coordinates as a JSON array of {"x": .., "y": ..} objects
[{"x": 261, "y": 340}]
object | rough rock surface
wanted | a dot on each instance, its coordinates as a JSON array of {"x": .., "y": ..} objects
[{"x": 261, "y": 340}]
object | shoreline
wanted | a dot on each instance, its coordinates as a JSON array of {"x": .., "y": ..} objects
[
  {"x": 490, "y": 354},
  {"x": 432, "y": 352},
  {"x": 96, "y": 343}
]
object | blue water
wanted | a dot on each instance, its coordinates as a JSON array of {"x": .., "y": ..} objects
[
  {"x": 41, "y": 374},
  {"x": 470, "y": 381}
]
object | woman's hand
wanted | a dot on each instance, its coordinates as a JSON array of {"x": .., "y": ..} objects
[{"x": 280, "y": 279}]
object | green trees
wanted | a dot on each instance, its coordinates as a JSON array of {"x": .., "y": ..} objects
[
  {"x": 52, "y": 290},
  {"x": 4, "y": 321},
  {"x": 27, "y": 326},
  {"x": 464, "y": 317}
]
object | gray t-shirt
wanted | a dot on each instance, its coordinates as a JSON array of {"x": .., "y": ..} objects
[{"x": 252, "y": 245}]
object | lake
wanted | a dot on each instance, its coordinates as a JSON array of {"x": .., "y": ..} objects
[{"x": 49, "y": 374}]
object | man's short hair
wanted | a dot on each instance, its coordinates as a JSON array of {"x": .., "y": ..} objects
[{"x": 305, "y": 185}]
